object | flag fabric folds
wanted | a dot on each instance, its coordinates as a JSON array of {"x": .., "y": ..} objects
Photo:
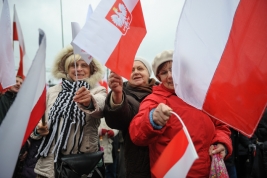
[
  {"x": 89, "y": 12},
  {"x": 24, "y": 114},
  {"x": 18, "y": 36},
  {"x": 7, "y": 63},
  {"x": 113, "y": 34},
  {"x": 77, "y": 50},
  {"x": 220, "y": 60},
  {"x": 75, "y": 30},
  {"x": 175, "y": 161}
]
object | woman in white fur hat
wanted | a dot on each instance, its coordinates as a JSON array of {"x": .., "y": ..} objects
[{"x": 73, "y": 112}]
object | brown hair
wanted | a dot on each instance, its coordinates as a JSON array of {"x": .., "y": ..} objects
[{"x": 161, "y": 66}]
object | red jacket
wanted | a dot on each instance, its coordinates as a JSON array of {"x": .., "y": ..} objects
[{"x": 203, "y": 129}]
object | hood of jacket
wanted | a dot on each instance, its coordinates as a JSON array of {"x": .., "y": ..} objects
[{"x": 58, "y": 68}]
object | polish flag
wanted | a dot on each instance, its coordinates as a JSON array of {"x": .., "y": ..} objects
[
  {"x": 7, "y": 63},
  {"x": 175, "y": 162},
  {"x": 18, "y": 36},
  {"x": 220, "y": 60},
  {"x": 24, "y": 114},
  {"x": 113, "y": 34}
]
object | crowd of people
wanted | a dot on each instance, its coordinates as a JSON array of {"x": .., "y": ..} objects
[{"x": 132, "y": 125}]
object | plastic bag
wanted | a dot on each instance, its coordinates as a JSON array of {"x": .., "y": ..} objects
[{"x": 218, "y": 168}]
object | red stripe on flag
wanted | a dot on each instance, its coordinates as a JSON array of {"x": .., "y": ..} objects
[
  {"x": 121, "y": 59},
  {"x": 36, "y": 115},
  {"x": 15, "y": 32},
  {"x": 20, "y": 69},
  {"x": 238, "y": 92},
  {"x": 171, "y": 154}
]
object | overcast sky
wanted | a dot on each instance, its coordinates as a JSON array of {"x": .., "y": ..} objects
[{"x": 161, "y": 18}]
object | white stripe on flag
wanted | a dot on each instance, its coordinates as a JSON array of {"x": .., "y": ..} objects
[
  {"x": 76, "y": 49},
  {"x": 19, "y": 31},
  {"x": 7, "y": 63},
  {"x": 207, "y": 25},
  {"x": 98, "y": 32},
  {"x": 26, "y": 61},
  {"x": 172, "y": 161},
  {"x": 15, "y": 123},
  {"x": 182, "y": 166}
]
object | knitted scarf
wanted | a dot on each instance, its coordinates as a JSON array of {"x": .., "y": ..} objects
[{"x": 64, "y": 107}]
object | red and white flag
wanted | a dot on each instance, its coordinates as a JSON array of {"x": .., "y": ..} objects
[
  {"x": 175, "y": 162},
  {"x": 220, "y": 60},
  {"x": 24, "y": 114},
  {"x": 18, "y": 36},
  {"x": 7, "y": 63},
  {"x": 113, "y": 34}
]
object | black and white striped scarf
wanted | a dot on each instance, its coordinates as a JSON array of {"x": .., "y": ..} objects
[{"x": 64, "y": 107}]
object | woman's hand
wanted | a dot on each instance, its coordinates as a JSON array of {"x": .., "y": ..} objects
[
  {"x": 83, "y": 96},
  {"x": 42, "y": 129},
  {"x": 115, "y": 84},
  {"x": 219, "y": 148},
  {"x": 161, "y": 114}
]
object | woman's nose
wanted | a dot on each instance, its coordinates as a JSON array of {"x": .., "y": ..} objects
[
  {"x": 169, "y": 74},
  {"x": 79, "y": 67}
]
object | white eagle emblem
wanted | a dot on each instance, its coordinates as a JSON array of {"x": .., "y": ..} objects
[{"x": 121, "y": 18}]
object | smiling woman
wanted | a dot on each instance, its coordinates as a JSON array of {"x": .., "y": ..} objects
[
  {"x": 73, "y": 111},
  {"x": 121, "y": 106}
]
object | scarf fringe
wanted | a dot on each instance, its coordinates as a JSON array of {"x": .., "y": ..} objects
[{"x": 64, "y": 107}]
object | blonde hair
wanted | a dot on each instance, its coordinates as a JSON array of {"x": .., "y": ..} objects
[{"x": 65, "y": 58}]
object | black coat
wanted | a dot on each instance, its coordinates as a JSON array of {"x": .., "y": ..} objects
[
  {"x": 260, "y": 160},
  {"x": 136, "y": 157},
  {"x": 6, "y": 100},
  {"x": 31, "y": 160}
]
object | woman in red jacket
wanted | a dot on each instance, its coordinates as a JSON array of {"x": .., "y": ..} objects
[{"x": 155, "y": 126}]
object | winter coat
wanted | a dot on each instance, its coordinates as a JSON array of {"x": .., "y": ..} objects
[
  {"x": 31, "y": 160},
  {"x": 106, "y": 142},
  {"x": 45, "y": 166},
  {"x": 204, "y": 131},
  {"x": 89, "y": 142},
  {"x": 6, "y": 101},
  {"x": 136, "y": 157}
]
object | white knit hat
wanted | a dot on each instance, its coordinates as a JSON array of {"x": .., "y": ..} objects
[{"x": 145, "y": 63}]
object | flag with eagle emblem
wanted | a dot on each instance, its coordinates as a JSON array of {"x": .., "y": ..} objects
[{"x": 113, "y": 34}]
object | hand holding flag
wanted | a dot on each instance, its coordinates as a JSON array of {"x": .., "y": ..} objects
[{"x": 173, "y": 161}]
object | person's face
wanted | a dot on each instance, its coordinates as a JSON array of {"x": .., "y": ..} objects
[
  {"x": 139, "y": 75},
  {"x": 83, "y": 70},
  {"x": 165, "y": 75},
  {"x": 15, "y": 88}
]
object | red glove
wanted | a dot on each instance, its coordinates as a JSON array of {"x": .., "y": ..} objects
[
  {"x": 104, "y": 131},
  {"x": 110, "y": 133}
]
